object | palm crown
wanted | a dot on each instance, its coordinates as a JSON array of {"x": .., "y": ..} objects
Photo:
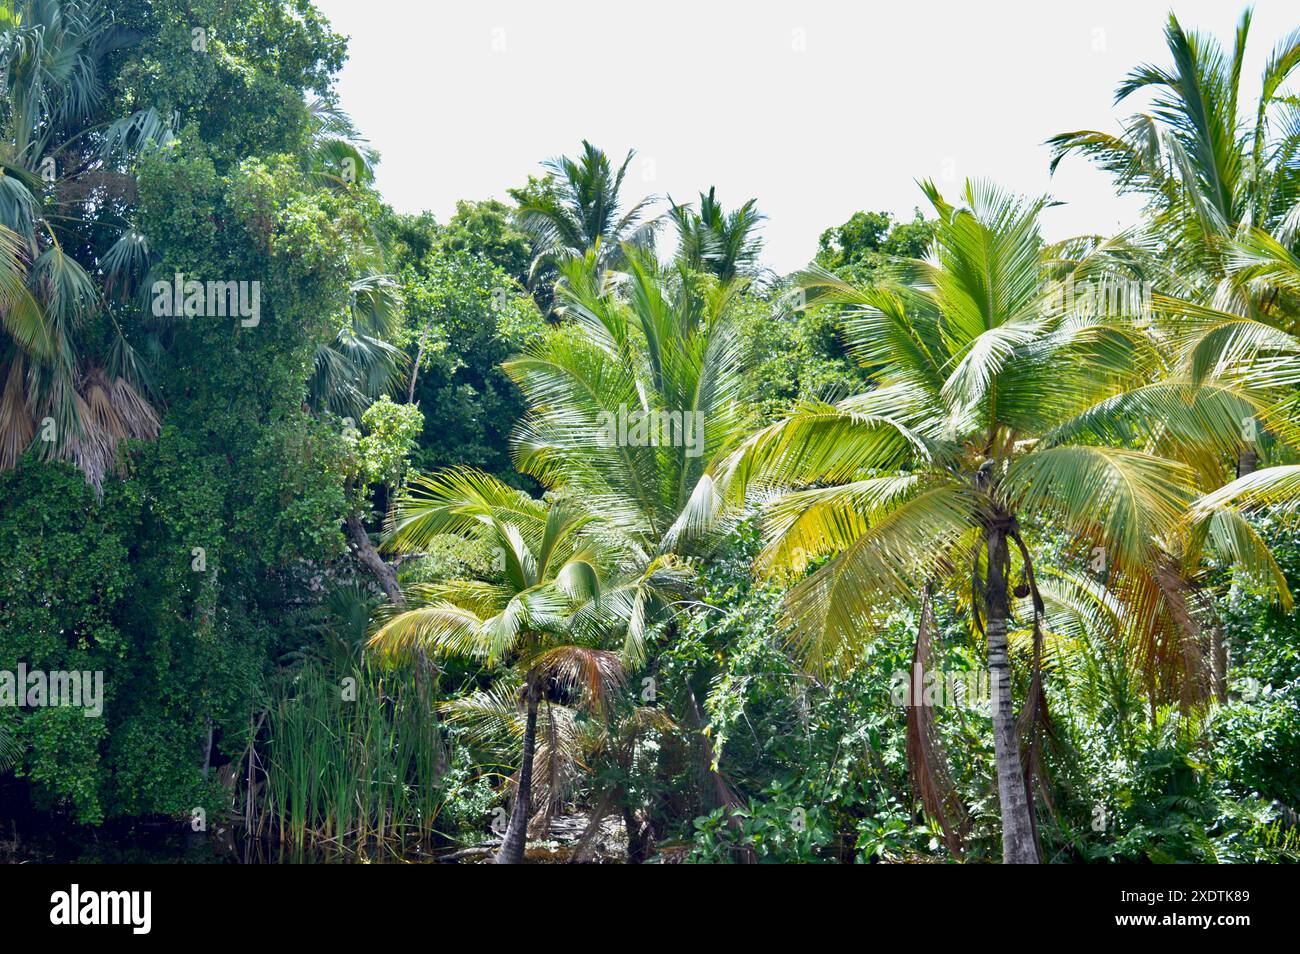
[
  {"x": 648, "y": 349},
  {"x": 580, "y": 209}
]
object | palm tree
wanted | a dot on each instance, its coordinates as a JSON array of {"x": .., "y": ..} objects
[
  {"x": 1220, "y": 175},
  {"x": 1215, "y": 169},
  {"x": 77, "y": 390},
  {"x": 935, "y": 477},
  {"x": 1216, "y": 377},
  {"x": 577, "y": 208},
  {"x": 1264, "y": 345},
  {"x": 558, "y": 599},
  {"x": 724, "y": 244},
  {"x": 9, "y": 750},
  {"x": 338, "y": 155},
  {"x": 361, "y": 364},
  {"x": 629, "y": 403}
]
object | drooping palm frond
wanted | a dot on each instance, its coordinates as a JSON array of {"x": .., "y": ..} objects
[
  {"x": 1125, "y": 497},
  {"x": 71, "y": 393},
  {"x": 839, "y": 606},
  {"x": 338, "y": 155},
  {"x": 591, "y": 678},
  {"x": 9, "y": 750},
  {"x": 1272, "y": 486}
]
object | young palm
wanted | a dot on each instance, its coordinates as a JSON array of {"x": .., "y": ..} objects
[
  {"x": 557, "y": 601},
  {"x": 631, "y": 400},
  {"x": 958, "y": 453},
  {"x": 629, "y": 403}
]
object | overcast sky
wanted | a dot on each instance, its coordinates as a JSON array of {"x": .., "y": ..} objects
[{"x": 817, "y": 109}]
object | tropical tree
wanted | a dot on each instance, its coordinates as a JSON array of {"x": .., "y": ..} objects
[
  {"x": 940, "y": 474},
  {"x": 724, "y": 244},
  {"x": 337, "y": 154},
  {"x": 629, "y": 402},
  {"x": 72, "y": 379},
  {"x": 558, "y": 600},
  {"x": 361, "y": 364},
  {"x": 1207, "y": 159},
  {"x": 577, "y": 208},
  {"x": 1218, "y": 171}
]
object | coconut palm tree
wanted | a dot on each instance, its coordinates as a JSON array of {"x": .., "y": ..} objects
[
  {"x": 724, "y": 244},
  {"x": 1216, "y": 169},
  {"x": 562, "y": 595},
  {"x": 940, "y": 475},
  {"x": 629, "y": 402},
  {"x": 1200, "y": 402},
  {"x": 577, "y": 208},
  {"x": 1208, "y": 160}
]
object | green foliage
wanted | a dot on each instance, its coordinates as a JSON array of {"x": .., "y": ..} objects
[
  {"x": 465, "y": 315},
  {"x": 353, "y": 756},
  {"x": 203, "y": 570},
  {"x": 863, "y": 247},
  {"x": 791, "y": 354},
  {"x": 390, "y": 436},
  {"x": 487, "y": 229}
]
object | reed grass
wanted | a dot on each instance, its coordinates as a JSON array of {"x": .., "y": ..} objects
[{"x": 351, "y": 772}]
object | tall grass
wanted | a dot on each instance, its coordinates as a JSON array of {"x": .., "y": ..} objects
[{"x": 351, "y": 771}]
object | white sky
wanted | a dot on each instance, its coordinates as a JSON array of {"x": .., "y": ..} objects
[{"x": 816, "y": 108}]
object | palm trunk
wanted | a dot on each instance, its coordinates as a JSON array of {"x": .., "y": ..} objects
[
  {"x": 367, "y": 554},
  {"x": 1019, "y": 846},
  {"x": 512, "y": 846},
  {"x": 1247, "y": 461}
]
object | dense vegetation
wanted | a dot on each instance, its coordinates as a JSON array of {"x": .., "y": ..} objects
[{"x": 956, "y": 545}]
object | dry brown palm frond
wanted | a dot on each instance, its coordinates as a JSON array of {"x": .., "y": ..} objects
[
  {"x": 1163, "y": 615},
  {"x": 91, "y": 419},
  {"x": 926, "y": 760},
  {"x": 595, "y": 676},
  {"x": 16, "y": 424}
]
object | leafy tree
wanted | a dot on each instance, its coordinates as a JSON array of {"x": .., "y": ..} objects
[
  {"x": 464, "y": 316},
  {"x": 868, "y": 240},
  {"x": 487, "y": 229}
]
